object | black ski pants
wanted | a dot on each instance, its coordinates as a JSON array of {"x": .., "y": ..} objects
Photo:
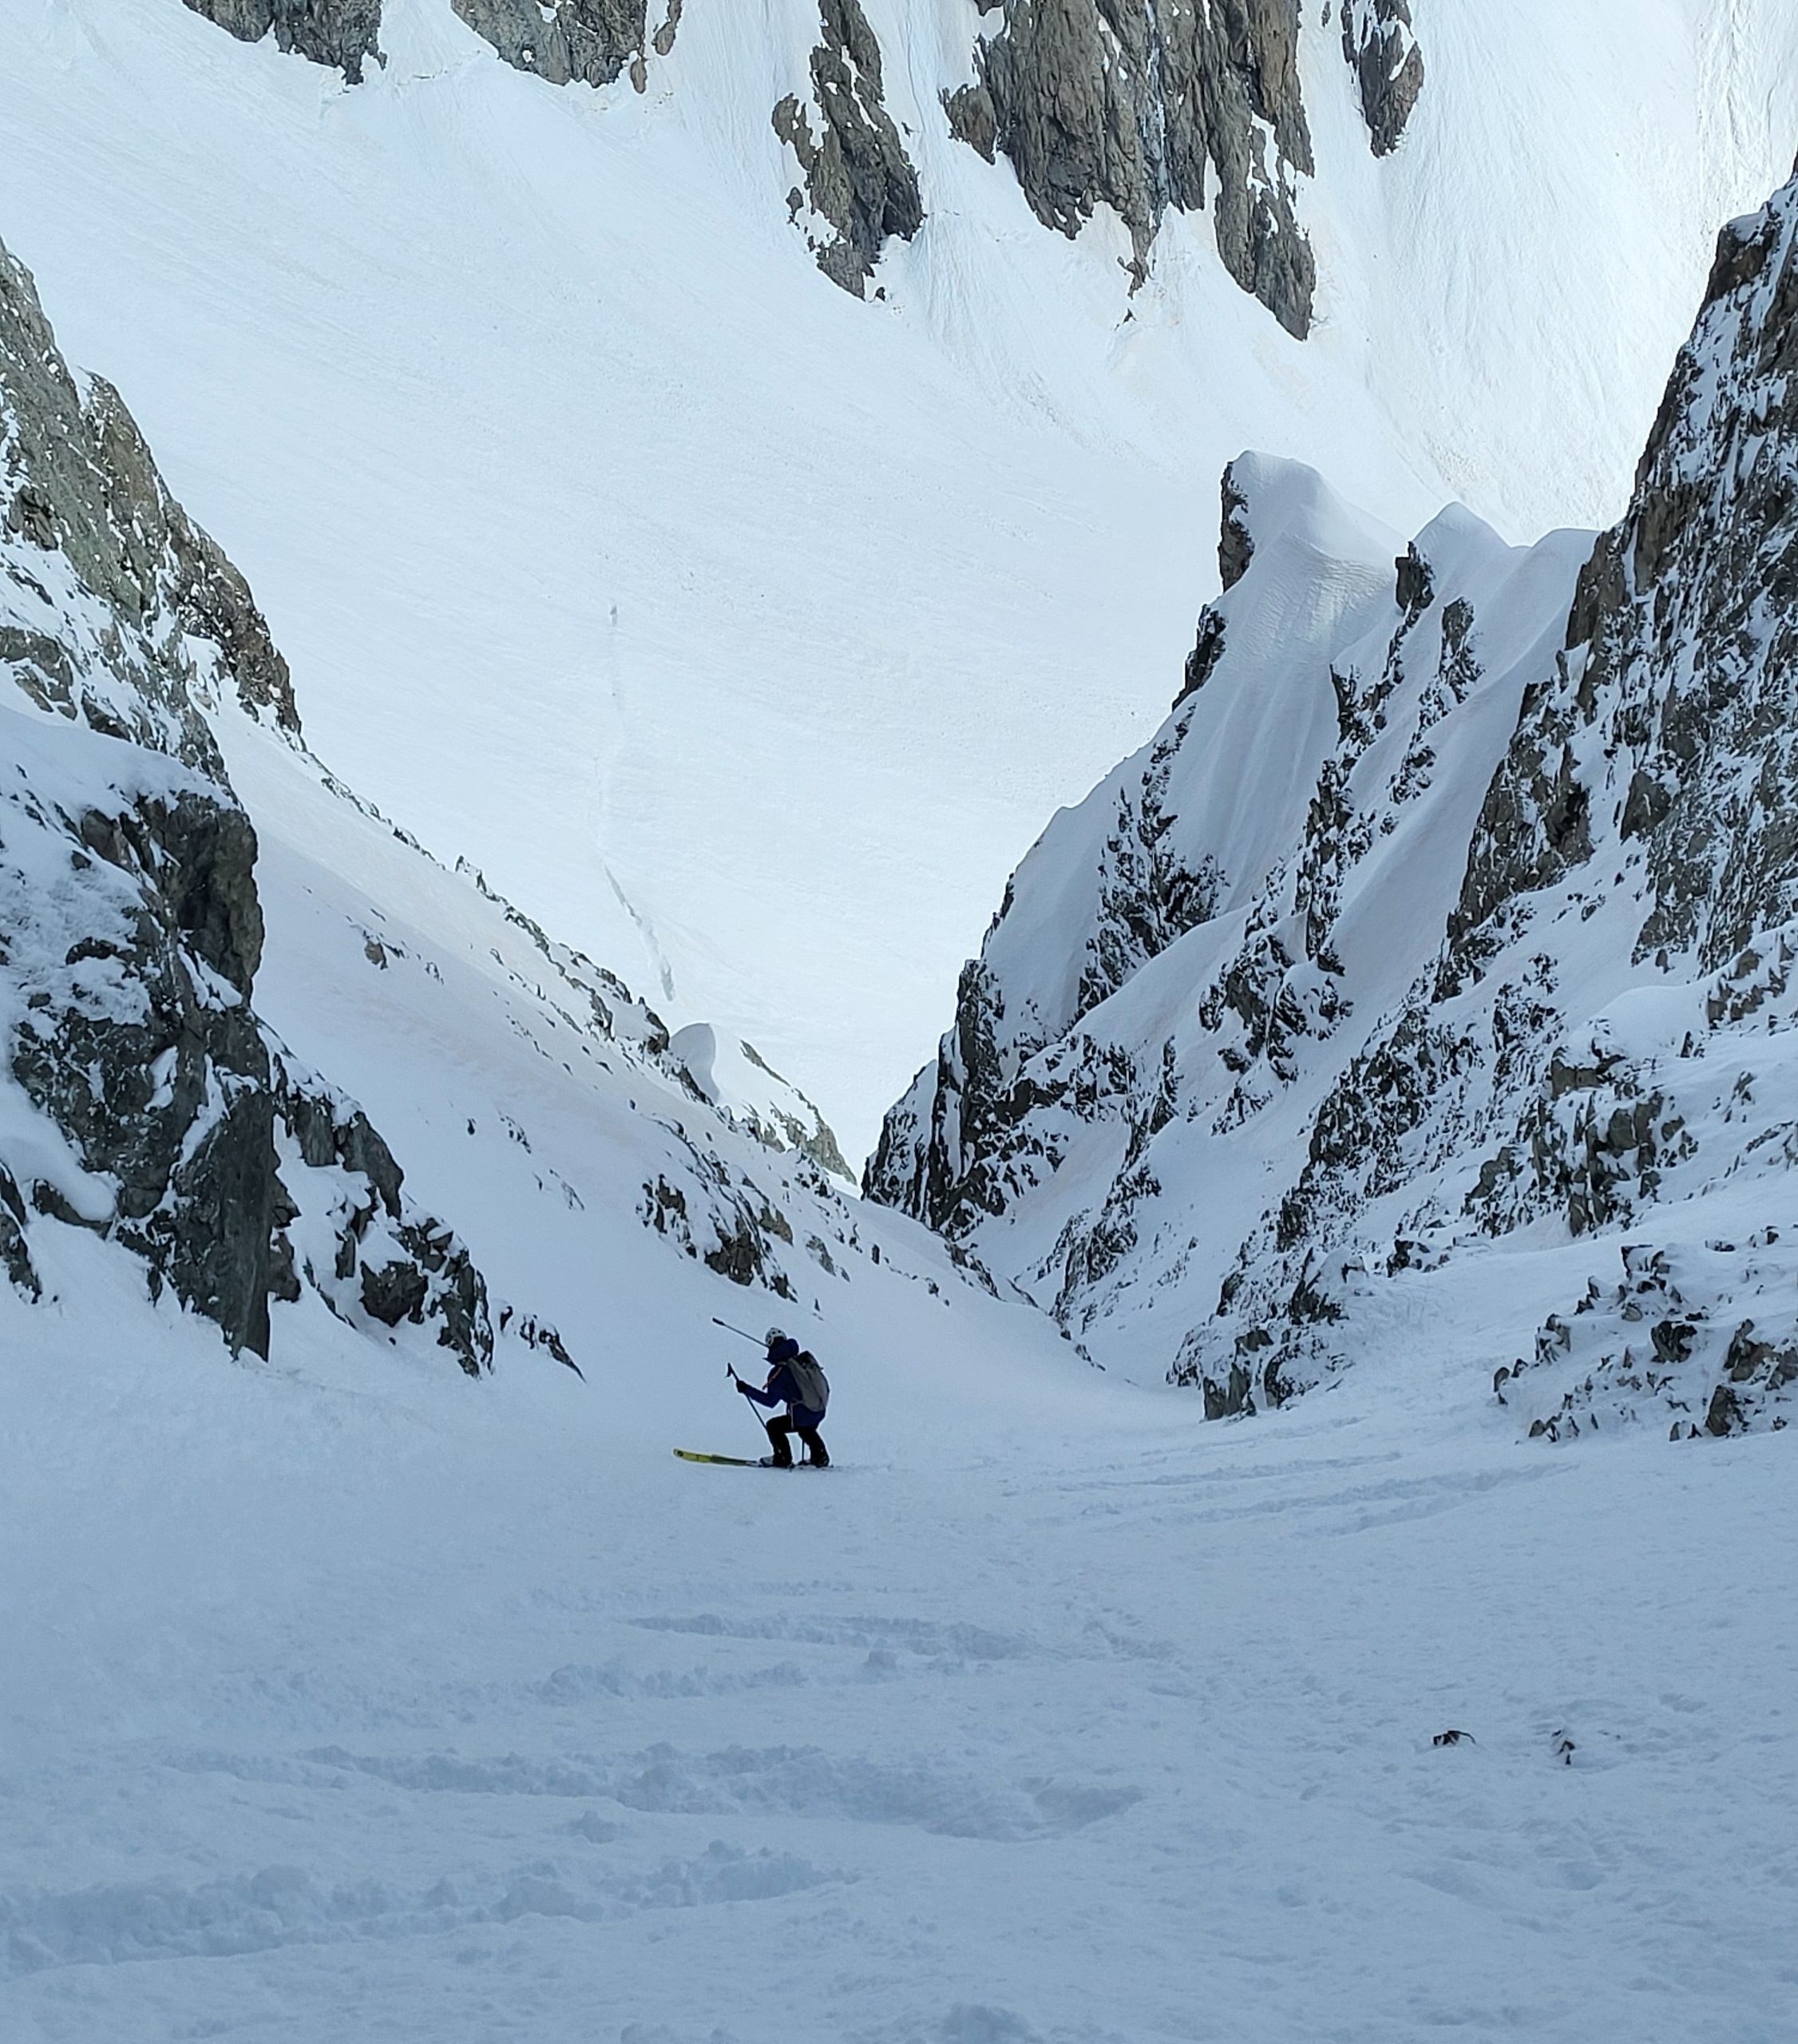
[{"x": 781, "y": 1432}]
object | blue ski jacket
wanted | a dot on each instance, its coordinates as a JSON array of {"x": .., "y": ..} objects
[{"x": 782, "y": 1390}]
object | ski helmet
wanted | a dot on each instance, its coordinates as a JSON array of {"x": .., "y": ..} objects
[{"x": 774, "y": 1334}]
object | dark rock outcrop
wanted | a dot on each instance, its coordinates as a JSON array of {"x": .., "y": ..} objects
[
  {"x": 137, "y": 1041},
  {"x": 1236, "y": 544},
  {"x": 360, "y": 1243},
  {"x": 1236, "y": 548},
  {"x": 79, "y": 488},
  {"x": 859, "y": 181},
  {"x": 1137, "y": 105},
  {"x": 1380, "y": 44},
  {"x": 341, "y": 33},
  {"x": 565, "y": 41},
  {"x": 15, "y": 1254}
]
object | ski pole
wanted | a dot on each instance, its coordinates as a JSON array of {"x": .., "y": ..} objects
[
  {"x": 729, "y": 1329},
  {"x": 735, "y": 1379}
]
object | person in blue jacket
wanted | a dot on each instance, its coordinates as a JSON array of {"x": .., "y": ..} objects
[{"x": 794, "y": 1379}]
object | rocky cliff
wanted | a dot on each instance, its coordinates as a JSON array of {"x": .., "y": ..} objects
[
  {"x": 140, "y": 1096},
  {"x": 860, "y": 185},
  {"x": 1140, "y": 106},
  {"x": 342, "y": 33},
  {"x": 591, "y": 41},
  {"x": 588, "y": 41},
  {"x": 1143, "y": 105},
  {"x": 1449, "y": 918}
]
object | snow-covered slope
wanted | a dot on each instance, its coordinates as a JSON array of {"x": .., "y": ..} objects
[
  {"x": 342, "y": 1701},
  {"x": 1434, "y": 918},
  {"x": 614, "y": 544}
]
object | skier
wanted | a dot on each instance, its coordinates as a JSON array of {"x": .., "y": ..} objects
[{"x": 795, "y": 1380}]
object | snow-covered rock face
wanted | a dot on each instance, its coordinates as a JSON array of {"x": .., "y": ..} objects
[
  {"x": 1438, "y": 916},
  {"x": 131, "y": 933},
  {"x": 108, "y": 579},
  {"x": 1199, "y": 931},
  {"x": 1135, "y": 105},
  {"x": 1670, "y": 724},
  {"x": 140, "y": 1095}
]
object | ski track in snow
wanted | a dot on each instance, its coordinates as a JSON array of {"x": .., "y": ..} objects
[{"x": 412, "y": 1710}]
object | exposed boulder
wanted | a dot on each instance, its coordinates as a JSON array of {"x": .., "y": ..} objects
[
  {"x": 341, "y": 33},
  {"x": 859, "y": 182},
  {"x": 1137, "y": 105}
]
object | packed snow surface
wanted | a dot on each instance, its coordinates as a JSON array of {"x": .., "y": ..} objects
[
  {"x": 615, "y": 548},
  {"x": 379, "y": 1705}
]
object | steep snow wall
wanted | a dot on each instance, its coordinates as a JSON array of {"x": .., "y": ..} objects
[{"x": 1444, "y": 908}]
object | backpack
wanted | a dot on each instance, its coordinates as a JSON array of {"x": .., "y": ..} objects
[{"x": 809, "y": 1382}]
